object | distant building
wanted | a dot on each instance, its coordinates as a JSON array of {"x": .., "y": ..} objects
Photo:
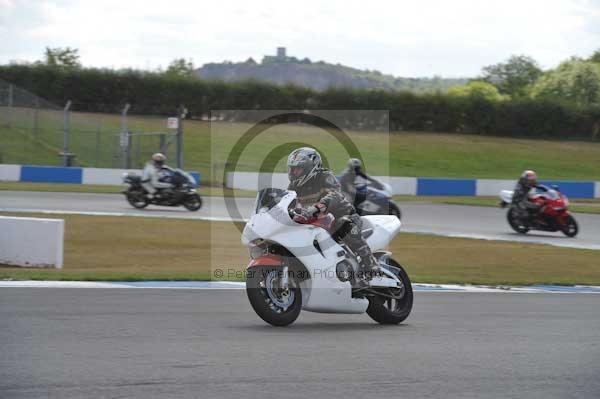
[{"x": 280, "y": 56}]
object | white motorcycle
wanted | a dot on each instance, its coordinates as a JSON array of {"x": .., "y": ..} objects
[{"x": 301, "y": 266}]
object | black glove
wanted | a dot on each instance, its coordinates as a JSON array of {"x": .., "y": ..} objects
[{"x": 304, "y": 215}]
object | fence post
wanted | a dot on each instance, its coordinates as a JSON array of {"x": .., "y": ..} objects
[
  {"x": 9, "y": 101},
  {"x": 98, "y": 128},
  {"x": 125, "y": 141},
  {"x": 36, "y": 110},
  {"x": 10, "y": 95},
  {"x": 181, "y": 113},
  {"x": 66, "y": 155}
]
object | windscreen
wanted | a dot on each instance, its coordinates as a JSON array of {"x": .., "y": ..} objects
[{"x": 267, "y": 198}]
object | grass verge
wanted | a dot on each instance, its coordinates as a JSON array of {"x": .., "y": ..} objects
[
  {"x": 411, "y": 153},
  {"x": 126, "y": 249}
]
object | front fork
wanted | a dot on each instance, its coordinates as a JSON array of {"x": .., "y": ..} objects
[{"x": 284, "y": 282}]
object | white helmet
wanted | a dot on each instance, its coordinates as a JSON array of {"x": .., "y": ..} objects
[{"x": 159, "y": 158}]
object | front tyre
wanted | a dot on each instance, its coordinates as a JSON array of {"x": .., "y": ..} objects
[
  {"x": 395, "y": 211},
  {"x": 192, "y": 202},
  {"x": 570, "y": 228},
  {"x": 275, "y": 305},
  {"x": 395, "y": 304},
  {"x": 516, "y": 222}
]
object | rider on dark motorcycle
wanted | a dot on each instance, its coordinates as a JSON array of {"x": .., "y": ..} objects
[
  {"x": 154, "y": 175},
  {"x": 348, "y": 181},
  {"x": 318, "y": 186},
  {"x": 526, "y": 183}
]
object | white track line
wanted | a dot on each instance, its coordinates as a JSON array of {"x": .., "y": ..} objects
[{"x": 240, "y": 285}]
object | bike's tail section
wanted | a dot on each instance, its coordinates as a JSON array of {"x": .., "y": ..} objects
[{"x": 384, "y": 229}]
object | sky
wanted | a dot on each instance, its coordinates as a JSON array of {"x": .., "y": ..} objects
[{"x": 404, "y": 38}]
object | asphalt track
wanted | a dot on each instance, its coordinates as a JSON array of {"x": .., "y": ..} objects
[
  {"x": 449, "y": 220},
  {"x": 151, "y": 343}
]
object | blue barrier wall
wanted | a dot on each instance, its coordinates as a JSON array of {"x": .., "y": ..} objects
[
  {"x": 573, "y": 189},
  {"x": 51, "y": 174},
  {"x": 422, "y": 186},
  {"x": 446, "y": 186}
]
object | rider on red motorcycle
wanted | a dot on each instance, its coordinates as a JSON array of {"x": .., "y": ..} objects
[{"x": 526, "y": 183}]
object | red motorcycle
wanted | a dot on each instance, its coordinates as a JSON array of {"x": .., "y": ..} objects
[{"x": 554, "y": 212}]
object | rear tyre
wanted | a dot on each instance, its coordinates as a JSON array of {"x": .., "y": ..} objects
[
  {"x": 274, "y": 305},
  {"x": 570, "y": 228},
  {"x": 137, "y": 199},
  {"x": 385, "y": 310},
  {"x": 192, "y": 202},
  {"x": 515, "y": 222},
  {"x": 395, "y": 211}
]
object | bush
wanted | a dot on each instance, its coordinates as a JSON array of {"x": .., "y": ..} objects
[{"x": 476, "y": 108}]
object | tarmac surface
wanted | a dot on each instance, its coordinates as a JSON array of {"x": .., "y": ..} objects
[
  {"x": 166, "y": 343},
  {"x": 448, "y": 220}
]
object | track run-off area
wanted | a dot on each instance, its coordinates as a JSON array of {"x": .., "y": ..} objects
[{"x": 439, "y": 219}]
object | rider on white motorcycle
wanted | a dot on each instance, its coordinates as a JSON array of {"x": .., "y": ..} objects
[
  {"x": 349, "y": 178},
  {"x": 318, "y": 187}
]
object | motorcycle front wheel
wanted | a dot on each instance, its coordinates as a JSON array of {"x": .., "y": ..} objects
[
  {"x": 275, "y": 305},
  {"x": 570, "y": 228},
  {"x": 394, "y": 305},
  {"x": 192, "y": 202},
  {"x": 395, "y": 211},
  {"x": 515, "y": 222}
]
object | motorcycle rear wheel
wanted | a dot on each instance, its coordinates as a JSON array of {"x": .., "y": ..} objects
[
  {"x": 515, "y": 223},
  {"x": 571, "y": 228},
  {"x": 389, "y": 310},
  {"x": 275, "y": 306},
  {"x": 137, "y": 200}
]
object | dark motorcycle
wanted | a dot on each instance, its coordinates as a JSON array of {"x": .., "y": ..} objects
[
  {"x": 372, "y": 201},
  {"x": 183, "y": 191}
]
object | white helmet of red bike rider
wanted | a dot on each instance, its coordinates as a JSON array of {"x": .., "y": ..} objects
[
  {"x": 303, "y": 164},
  {"x": 530, "y": 178}
]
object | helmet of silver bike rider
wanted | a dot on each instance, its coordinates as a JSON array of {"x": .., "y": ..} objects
[
  {"x": 355, "y": 164},
  {"x": 159, "y": 159},
  {"x": 529, "y": 177},
  {"x": 303, "y": 164}
]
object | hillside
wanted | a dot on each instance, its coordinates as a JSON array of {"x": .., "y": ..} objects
[{"x": 282, "y": 69}]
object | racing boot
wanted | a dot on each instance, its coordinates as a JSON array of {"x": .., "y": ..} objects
[{"x": 369, "y": 267}]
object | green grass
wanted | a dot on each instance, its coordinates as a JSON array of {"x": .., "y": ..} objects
[
  {"x": 411, "y": 153},
  {"x": 117, "y": 248}
]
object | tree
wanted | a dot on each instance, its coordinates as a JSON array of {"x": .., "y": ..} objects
[
  {"x": 574, "y": 81},
  {"x": 180, "y": 67},
  {"x": 595, "y": 57},
  {"x": 62, "y": 57},
  {"x": 477, "y": 89},
  {"x": 513, "y": 76}
]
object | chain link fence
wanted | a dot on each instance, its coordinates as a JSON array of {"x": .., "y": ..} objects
[{"x": 34, "y": 131}]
